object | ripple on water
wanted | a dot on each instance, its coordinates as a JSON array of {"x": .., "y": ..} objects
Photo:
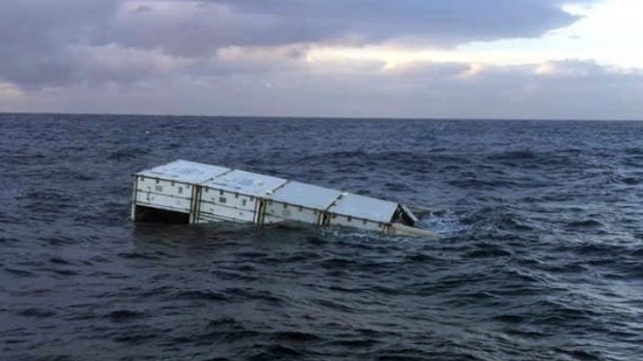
[{"x": 539, "y": 259}]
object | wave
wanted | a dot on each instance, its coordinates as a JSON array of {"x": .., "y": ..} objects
[{"x": 539, "y": 255}]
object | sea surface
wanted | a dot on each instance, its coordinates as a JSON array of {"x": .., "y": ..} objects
[{"x": 540, "y": 256}]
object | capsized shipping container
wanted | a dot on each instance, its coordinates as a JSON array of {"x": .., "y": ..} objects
[{"x": 190, "y": 192}]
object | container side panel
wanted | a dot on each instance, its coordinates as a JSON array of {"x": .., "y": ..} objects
[
  {"x": 283, "y": 212},
  {"x": 167, "y": 187},
  {"x": 162, "y": 201},
  {"x": 133, "y": 200},
  {"x": 236, "y": 200},
  {"x": 346, "y": 221},
  {"x": 268, "y": 219},
  {"x": 226, "y": 213},
  {"x": 207, "y": 218}
]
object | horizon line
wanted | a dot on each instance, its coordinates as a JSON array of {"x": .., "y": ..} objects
[{"x": 310, "y": 117}]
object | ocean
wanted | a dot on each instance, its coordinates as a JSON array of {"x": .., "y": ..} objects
[{"x": 540, "y": 255}]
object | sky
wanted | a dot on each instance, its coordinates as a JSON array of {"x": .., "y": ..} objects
[{"x": 501, "y": 59}]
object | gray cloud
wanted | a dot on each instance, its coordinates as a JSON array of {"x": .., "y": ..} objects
[
  {"x": 38, "y": 37},
  {"x": 573, "y": 90},
  {"x": 34, "y": 36},
  {"x": 438, "y": 21},
  {"x": 178, "y": 56},
  {"x": 203, "y": 26},
  {"x": 578, "y": 90}
]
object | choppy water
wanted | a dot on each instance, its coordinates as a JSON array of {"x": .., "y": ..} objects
[{"x": 541, "y": 256}]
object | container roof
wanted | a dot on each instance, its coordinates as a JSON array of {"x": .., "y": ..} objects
[
  {"x": 358, "y": 206},
  {"x": 184, "y": 171},
  {"x": 247, "y": 183},
  {"x": 306, "y": 195}
]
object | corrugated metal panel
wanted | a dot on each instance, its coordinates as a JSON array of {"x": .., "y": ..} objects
[
  {"x": 164, "y": 186},
  {"x": 228, "y": 199},
  {"x": 276, "y": 211},
  {"x": 351, "y": 221},
  {"x": 364, "y": 207},
  {"x": 248, "y": 183},
  {"x": 306, "y": 195},
  {"x": 184, "y": 171},
  {"x": 225, "y": 205},
  {"x": 221, "y": 212},
  {"x": 163, "y": 201}
]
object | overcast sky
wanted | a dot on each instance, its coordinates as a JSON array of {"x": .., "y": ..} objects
[{"x": 535, "y": 59}]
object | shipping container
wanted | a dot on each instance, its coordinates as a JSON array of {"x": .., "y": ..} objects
[{"x": 190, "y": 192}]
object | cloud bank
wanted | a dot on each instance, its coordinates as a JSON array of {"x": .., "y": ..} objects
[{"x": 257, "y": 57}]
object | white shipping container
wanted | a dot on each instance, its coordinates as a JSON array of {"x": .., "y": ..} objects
[{"x": 189, "y": 192}]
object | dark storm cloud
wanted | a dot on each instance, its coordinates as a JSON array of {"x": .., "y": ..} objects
[
  {"x": 34, "y": 36},
  {"x": 202, "y": 26},
  {"x": 438, "y": 21},
  {"x": 39, "y": 39}
]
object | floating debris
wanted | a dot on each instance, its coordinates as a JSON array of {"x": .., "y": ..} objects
[{"x": 190, "y": 193}]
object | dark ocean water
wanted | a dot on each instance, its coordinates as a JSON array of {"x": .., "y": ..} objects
[{"x": 541, "y": 255}]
